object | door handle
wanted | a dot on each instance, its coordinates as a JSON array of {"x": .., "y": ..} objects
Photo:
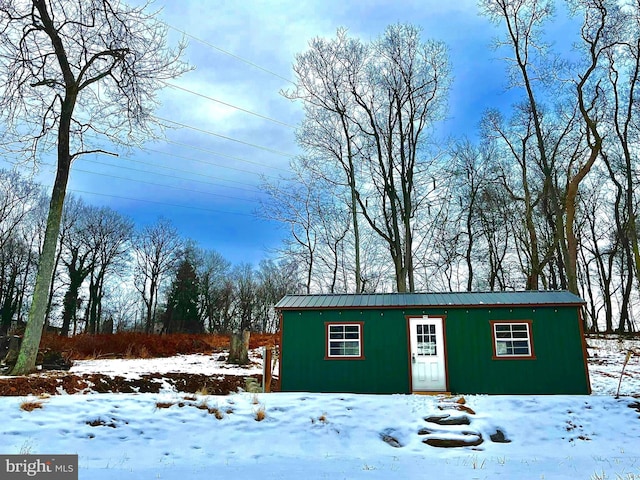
[{"x": 413, "y": 358}]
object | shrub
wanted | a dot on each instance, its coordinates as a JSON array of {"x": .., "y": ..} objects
[{"x": 142, "y": 345}]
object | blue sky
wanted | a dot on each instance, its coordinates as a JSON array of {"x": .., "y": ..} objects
[{"x": 206, "y": 184}]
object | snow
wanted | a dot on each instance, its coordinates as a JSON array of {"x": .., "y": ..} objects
[
  {"x": 176, "y": 436},
  {"x": 194, "y": 363}
]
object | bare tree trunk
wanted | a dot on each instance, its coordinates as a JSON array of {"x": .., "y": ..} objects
[
  {"x": 239, "y": 348},
  {"x": 26, "y": 361}
]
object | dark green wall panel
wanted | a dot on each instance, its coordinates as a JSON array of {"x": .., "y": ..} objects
[
  {"x": 558, "y": 368},
  {"x": 384, "y": 368}
]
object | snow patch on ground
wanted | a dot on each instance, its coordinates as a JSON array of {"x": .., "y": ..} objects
[
  {"x": 176, "y": 436},
  {"x": 198, "y": 363}
]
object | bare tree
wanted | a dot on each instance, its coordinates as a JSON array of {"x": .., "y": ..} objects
[
  {"x": 471, "y": 169},
  {"x": 213, "y": 272},
  {"x": 296, "y": 203},
  {"x": 109, "y": 236},
  {"x": 275, "y": 280},
  {"x": 369, "y": 108},
  {"x": 19, "y": 199},
  {"x": 328, "y": 131},
  {"x": 69, "y": 67},
  {"x": 568, "y": 143},
  {"x": 157, "y": 251},
  {"x": 77, "y": 256}
]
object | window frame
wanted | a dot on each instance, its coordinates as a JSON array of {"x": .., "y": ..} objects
[
  {"x": 496, "y": 356},
  {"x": 329, "y": 340}
]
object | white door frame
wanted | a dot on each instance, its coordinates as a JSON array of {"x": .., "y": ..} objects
[{"x": 427, "y": 369}]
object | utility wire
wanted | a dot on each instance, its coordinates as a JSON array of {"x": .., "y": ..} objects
[
  {"x": 190, "y": 207},
  {"x": 171, "y": 85},
  {"x": 85, "y": 159},
  {"x": 212, "y": 164},
  {"x": 277, "y": 152},
  {"x": 76, "y": 169},
  {"x": 237, "y": 57},
  {"x": 164, "y": 185},
  {"x": 212, "y": 152},
  {"x": 154, "y": 184}
]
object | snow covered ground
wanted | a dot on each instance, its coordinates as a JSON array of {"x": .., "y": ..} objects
[
  {"x": 196, "y": 363},
  {"x": 176, "y": 436}
]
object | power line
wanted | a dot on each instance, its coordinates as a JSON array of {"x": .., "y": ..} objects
[
  {"x": 85, "y": 159},
  {"x": 277, "y": 152},
  {"x": 210, "y": 164},
  {"x": 163, "y": 203},
  {"x": 237, "y": 57},
  {"x": 212, "y": 152},
  {"x": 228, "y": 104},
  {"x": 188, "y": 207},
  {"x": 164, "y": 185}
]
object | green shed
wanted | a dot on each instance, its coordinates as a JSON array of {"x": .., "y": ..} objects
[{"x": 528, "y": 342}]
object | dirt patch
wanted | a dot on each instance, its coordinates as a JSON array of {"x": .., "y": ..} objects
[{"x": 54, "y": 383}]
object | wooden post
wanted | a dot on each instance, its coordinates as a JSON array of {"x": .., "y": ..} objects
[{"x": 267, "y": 358}]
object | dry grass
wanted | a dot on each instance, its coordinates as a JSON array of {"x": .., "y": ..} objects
[
  {"x": 322, "y": 419},
  {"x": 203, "y": 391},
  {"x": 215, "y": 411},
  {"x": 141, "y": 345},
  {"x": 261, "y": 414},
  {"x": 30, "y": 405},
  {"x": 164, "y": 404}
]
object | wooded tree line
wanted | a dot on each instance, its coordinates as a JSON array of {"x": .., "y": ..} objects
[
  {"x": 110, "y": 275},
  {"x": 543, "y": 196}
]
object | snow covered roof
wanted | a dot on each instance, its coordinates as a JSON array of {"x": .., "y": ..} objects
[{"x": 417, "y": 300}]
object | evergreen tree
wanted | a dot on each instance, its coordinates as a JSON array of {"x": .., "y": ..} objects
[{"x": 181, "y": 314}]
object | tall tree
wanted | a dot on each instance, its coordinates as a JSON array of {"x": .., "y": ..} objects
[
  {"x": 568, "y": 141},
  {"x": 77, "y": 256},
  {"x": 109, "y": 235},
  {"x": 369, "y": 108},
  {"x": 328, "y": 131},
  {"x": 157, "y": 251},
  {"x": 181, "y": 314},
  {"x": 69, "y": 67},
  {"x": 215, "y": 290}
]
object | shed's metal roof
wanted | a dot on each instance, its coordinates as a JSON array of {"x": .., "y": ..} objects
[{"x": 448, "y": 299}]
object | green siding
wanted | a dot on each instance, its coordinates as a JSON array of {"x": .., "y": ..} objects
[
  {"x": 384, "y": 368},
  {"x": 558, "y": 368}
]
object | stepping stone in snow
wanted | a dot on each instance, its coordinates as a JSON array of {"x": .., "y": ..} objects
[
  {"x": 466, "y": 439},
  {"x": 458, "y": 407},
  {"x": 388, "y": 439},
  {"x": 499, "y": 437},
  {"x": 447, "y": 419}
]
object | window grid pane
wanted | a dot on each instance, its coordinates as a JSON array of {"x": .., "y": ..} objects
[
  {"x": 344, "y": 341},
  {"x": 512, "y": 339},
  {"x": 426, "y": 340}
]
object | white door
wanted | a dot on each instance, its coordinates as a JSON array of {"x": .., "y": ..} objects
[{"x": 427, "y": 355}]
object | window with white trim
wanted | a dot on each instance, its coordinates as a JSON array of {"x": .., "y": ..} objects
[
  {"x": 512, "y": 339},
  {"x": 344, "y": 340}
]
